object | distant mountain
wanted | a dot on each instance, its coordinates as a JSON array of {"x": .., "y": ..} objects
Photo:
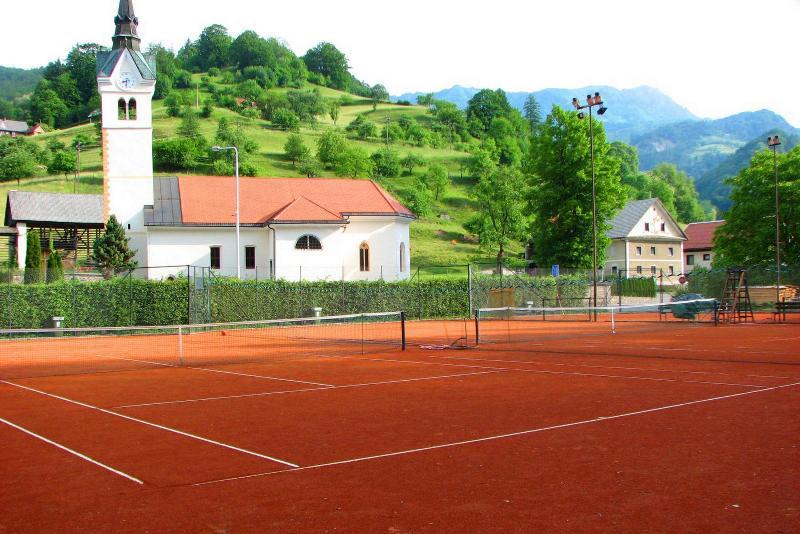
[
  {"x": 697, "y": 147},
  {"x": 712, "y": 186},
  {"x": 631, "y": 111},
  {"x": 16, "y": 82}
]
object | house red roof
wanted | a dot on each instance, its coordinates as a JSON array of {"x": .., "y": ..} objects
[
  {"x": 210, "y": 200},
  {"x": 701, "y": 235}
]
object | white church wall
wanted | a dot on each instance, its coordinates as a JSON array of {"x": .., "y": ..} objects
[
  {"x": 339, "y": 257},
  {"x": 171, "y": 249}
]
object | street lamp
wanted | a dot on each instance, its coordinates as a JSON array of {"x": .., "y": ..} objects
[
  {"x": 773, "y": 143},
  {"x": 238, "y": 239},
  {"x": 592, "y": 102}
]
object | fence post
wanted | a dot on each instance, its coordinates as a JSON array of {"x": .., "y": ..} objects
[
  {"x": 469, "y": 289},
  {"x": 188, "y": 295}
]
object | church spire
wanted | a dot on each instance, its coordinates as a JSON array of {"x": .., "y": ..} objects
[{"x": 126, "y": 35}]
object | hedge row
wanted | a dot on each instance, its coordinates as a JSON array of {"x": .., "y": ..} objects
[
  {"x": 124, "y": 302},
  {"x": 634, "y": 287}
]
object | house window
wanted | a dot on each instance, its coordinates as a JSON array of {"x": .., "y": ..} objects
[
  {"x": 122, "y": 110},
  {"x": 308, "y": 242},
  {"x": 671, "y": 251},
  {"x": 216, "y": 262},
  {"x": 652, "y": 251},
  {"x": 402, "y": 257},
  {"x": 690, "y": 259},
  {"x": 638, "y": 269},
  {"x": 132, "y": 109},
  {"x": 706, "y": 257},
  {"x": 653, "y": 270},
  {"x": 638, "y": 251},
  {"x": 671, "y": 270},
  {"x": 363, "y": 257},
  {"x": 249, "y": 257},
  {"x": 663, "y": 227},
  {"x": 646, "y": 227},
  {"x": 614, "y": 270}
]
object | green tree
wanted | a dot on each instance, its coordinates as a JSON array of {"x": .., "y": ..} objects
[
  {"x": 295, "y": 148},
  {"x": 213, "y": 48},
  {"x": 354, "y": 162},
  {"x": 47, "y": 107},
  {"x": 63, "y": 162},
  {"x": 33, "y": 259},
  {"x": 249, "y": 49},
  {"x": 330, "y": 146},
  {"x": 748, "y": 235},
  {"x": 310, "y": 167},
  {"x": 484, "y": 107},
  {"x": 687, "y": 202},
  {"x": 326, "y": 60},
  {"x": 362, "y": 127},
  {"x": 411, "y": 161},
  {"x": 174, "y": 103},
  {"x": 437, "y": 179},
  {"x": 285, "y": 119},
  {"x": 190, "y": 124},
  {"x": 419, "y": 199},
  {"x": 561, "y": 190},
  {"x": 532, "y": 111},
  {"x": 16, "y": 163},
  {"x": 386, "y": 163},
  {"x": 378, "y": 94},
  {"x": 111, "y": 251},
  {"x": 55, "y": 267},
  {"x": 333, "y": 110},
  {"x": 501, "y": 215}
]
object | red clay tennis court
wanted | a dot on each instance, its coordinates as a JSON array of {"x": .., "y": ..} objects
[{"x": 557, "y": 425}]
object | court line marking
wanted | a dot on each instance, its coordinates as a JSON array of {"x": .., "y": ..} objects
[
  {"x": 72, "y": 451},
  {"x": 269, "y": 393},
  {"x": 569, "y": 373},
  {"x": 259, "y": 376},
  {"x": 589, "y": 366},
  {"x": 496, "y": 437},
  {"x": 154, "y": 425}
]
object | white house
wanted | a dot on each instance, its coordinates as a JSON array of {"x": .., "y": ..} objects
[
  {"x": 645, "y": 241},
  {"x": 289, "y": 228}
]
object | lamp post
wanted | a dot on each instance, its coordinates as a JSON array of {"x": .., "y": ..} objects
[
  {"x": 592, "y": 102},
  {"x": 773, "y": 143},
  {"x": 238, "y": 238}
]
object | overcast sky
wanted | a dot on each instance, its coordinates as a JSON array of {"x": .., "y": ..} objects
[{"x": 715, "y": 57}]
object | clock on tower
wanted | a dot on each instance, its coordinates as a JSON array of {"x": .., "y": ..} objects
[{"x": 126, "y": 81}]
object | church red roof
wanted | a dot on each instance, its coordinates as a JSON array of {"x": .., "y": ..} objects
[
  {"x": 210, "y": 200},
  {"x": 701, "y": 235}
]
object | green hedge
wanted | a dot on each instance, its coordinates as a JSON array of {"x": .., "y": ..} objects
[
  {"x": 634, "y": 287},
  {"x": 124, "y": 302}
]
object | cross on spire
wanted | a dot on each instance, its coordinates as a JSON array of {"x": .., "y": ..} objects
[{"x": 126, "y": 35}]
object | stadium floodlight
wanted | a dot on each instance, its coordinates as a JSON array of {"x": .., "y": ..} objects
[
  {"x": 591, "y": 102},
  {"x": 238, "y": 225},
  {"x": 773, "y": 143}
]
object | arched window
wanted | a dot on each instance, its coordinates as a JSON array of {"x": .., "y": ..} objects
[
  {"x": 402, "y": 257},
  {"x": 132, "y": 109},
  {"x": 308, "y": 242},
  {"x": 122, "y": 110},
  {"x": 363, "y": 257}
]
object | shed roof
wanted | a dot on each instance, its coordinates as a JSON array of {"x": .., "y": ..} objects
[
  {"x": 17, "y": 127},
  {"x": 54, "y": 209}
]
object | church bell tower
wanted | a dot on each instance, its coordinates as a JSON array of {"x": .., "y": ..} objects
[{"x": 126, "y": 81}]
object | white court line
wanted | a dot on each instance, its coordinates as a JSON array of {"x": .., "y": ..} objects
[
  {"x": 259, "y": 376},
  {"x": 73, "y": 452},
  {"x": 589, "y": 366},
  {"x": 496, "y": 437},
  {"x": 154, "y": 425},
  {"x": 269, "y": 393},
  {"x": 568, "y": 373}
]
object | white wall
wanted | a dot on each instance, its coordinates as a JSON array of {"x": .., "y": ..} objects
[
  {"x": 339, "y": 257},
  {"x": 22, "y": 244},
  {"x": 192, "y": 246},
  {"x": 655, "y": 217}
]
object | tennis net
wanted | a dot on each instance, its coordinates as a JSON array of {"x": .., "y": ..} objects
[
  {"x": 510, "y": 325},
  {"x": 69, "y": 351}
]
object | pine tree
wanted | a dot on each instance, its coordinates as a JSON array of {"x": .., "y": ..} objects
[
  {"x": 33, "y": 259},
  {"x": 55, "y": 268},
  {"x": 111, "y": 250}
]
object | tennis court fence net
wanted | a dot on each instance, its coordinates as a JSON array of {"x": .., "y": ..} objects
[
  {"x": 510, "y": 325},
  {"x": 47, "y": 352}
]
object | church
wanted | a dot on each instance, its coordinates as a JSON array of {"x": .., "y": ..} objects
[{"x": 280, "y": 228}]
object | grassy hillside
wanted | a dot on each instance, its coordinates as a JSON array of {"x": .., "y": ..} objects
[{"x": 438, "y": 239}]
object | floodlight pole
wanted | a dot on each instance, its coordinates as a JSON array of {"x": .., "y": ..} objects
[
  {"x": 591, "y": 102},
  {"x": 773, "y": 143},
  {"x": 238, "y": 225}
]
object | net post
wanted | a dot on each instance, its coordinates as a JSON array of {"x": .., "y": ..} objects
[
  {"x": 477, "y": 326},
  {"x": 716, "y": 312},
  {"x": 613, "y": 322},
  {"x": 403, "y": 330},
  {"x": 180, "y": 346}
]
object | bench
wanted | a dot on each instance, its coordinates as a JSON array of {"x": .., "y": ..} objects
[{"x": 784, "y": 307}]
